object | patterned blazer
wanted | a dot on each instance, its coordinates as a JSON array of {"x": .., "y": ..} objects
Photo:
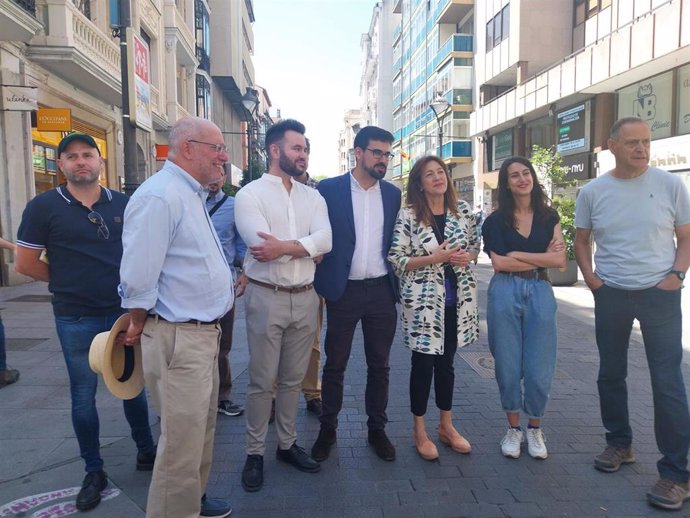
[{"x": 422, "y": 290}]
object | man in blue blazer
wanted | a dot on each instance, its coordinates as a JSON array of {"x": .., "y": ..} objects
[{"x": 358, "y": 284}]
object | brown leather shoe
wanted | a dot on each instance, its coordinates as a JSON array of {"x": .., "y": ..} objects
[
  {"x": 382, "y": 445},
  {"x": 456, "y": 441}
]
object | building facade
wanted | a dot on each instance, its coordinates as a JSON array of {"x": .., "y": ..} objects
[
  {"x": 346, "y": 153},
  {"x": 65, "y": 56},
  {"x": 562, "y": 78},
  {"x": 433, "y": 63},
  {"x": 376, "y": 83}
]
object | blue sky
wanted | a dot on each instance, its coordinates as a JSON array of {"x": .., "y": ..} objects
[{"x": 307, "y": 56}]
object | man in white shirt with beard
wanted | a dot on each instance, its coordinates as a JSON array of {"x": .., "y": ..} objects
[{"x": 285, "y": 226}]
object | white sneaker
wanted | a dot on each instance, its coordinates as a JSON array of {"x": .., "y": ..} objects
[
  {"x": 510, "y": 444},
  {"x": 535, "y": 443}
]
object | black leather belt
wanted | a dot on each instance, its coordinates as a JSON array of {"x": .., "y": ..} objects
[
  {"x": 296, "y": 289},
  {"x": 375, "y": 281},
  {"x": 190, "y": 321},
  {"x": 539, "y": 275}
]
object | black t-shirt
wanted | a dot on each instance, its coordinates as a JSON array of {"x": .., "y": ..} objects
[
  {"x": 84, "y": 268},
  {"x": 439, "y": 231},
  {"x": 501, "y": 238}
]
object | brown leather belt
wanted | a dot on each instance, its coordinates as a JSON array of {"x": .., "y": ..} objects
[
  {"x": 191, "y": 321},
  {"x": 539, "y": 275},
  {"x": 296, "y": 289}
]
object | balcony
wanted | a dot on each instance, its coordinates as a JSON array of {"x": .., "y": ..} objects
[
  {"x": 456, "y": 151},
  {"x": 179, "y": 36},
  {"x": 451, "y": 11},
  {"x": 456, "y": 43},
  {"x": 75, "y": 49},
  {"x": 18, "y": 20}
]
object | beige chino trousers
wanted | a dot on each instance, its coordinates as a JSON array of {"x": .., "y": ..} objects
[
  {"x": 181, "y": 372},
  {"x": 280, "y": 334}
]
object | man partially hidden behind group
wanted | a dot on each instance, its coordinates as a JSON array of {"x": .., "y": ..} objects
[
  {"x": 79, "y": 226},
  {"x": 285, "y": 226},
  {"x": 634, "y": 212},
  {"x": 176, "y": 283}
]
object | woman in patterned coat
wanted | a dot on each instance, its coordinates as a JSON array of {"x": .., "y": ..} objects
[{"x": 433, "y": 243}]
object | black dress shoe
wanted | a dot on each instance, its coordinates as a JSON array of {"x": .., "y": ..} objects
[
  {"x": 314, "y": 406},
  {"x": 324, "y": 443},
  {"x": 299, "y": 458},
  {"x": 90, "y": 494},
  {"x": 382, "y": 445},
  {"x": 145, "y": 461},
  {"x": 253, "y": 473}
]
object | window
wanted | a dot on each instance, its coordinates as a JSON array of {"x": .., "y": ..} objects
[
  {"x": 505, "y": 14},
  {"x": 489, "y": 35},
  {"x": 498, "y": 28},
  {"x": 203, "y": 35},
  {"x": 84, "y": 7},
  {"x": 585, "y": 9},
  {"x": 203, "y": 97}
]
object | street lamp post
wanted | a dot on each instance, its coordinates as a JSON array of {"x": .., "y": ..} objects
[
  {"x": 250, "y": 101},
  {"x": 439, "y": 105}
]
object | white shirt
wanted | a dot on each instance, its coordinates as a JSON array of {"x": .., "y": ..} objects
[
  {"x": 301, "y": 215},
  {"x": 368, "y": 261}
]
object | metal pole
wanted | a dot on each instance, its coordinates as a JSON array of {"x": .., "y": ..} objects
[
  {"x": 249, "y": 150},
  {"x": 129, "y": 132},
  {"x": 440, "y": 138}
]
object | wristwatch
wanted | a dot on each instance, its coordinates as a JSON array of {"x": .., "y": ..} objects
[{"x": 679, "y": 274}]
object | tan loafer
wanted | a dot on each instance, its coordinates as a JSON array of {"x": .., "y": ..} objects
[
  {"x": 426, "y": 449},
  {"x": 456, "y": 441}
]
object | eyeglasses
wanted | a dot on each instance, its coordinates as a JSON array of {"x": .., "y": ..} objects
[
  {"x": 380, "y": 154},
  {"x": 97, "y": 219},
  {"x": 220, "y": 148}
]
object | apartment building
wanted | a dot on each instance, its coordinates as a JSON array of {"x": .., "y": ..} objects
[
  {"x": 60, "y": 71},
  {"x": 433, "y": 42},
  {"x": 560, "y": 72},
  {"x": 352, "y": 122},
  {"x": 376, "y": 83}
]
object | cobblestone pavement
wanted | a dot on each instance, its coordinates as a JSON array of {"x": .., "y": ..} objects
[{"x": 39, "y": 452}]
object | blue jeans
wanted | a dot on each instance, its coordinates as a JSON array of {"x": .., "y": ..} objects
[
  {"x": 76, "y": 334},
  {"x": 659, "y": 314},
  {"x": 521, "y": 320},
  {"x": 3, "y": 353}
]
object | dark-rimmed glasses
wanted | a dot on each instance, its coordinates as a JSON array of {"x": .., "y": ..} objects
[
  {"x": 103, "y": 230},
  {"x": 378, "y": 154},
  {"x": 220, "y": 148}
]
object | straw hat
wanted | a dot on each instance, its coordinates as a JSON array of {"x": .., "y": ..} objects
[{"x": 119, "y": 365}]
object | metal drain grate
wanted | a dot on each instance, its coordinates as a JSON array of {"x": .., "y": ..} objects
[{"x": 483, "y": 364}]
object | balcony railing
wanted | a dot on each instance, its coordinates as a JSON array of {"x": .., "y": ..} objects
[
  {"x": 456, "y": 149},
  {"x": 27, "y": 5},
  {"x": 456, "y": 43},
  {"x": 204, "y": 61}
]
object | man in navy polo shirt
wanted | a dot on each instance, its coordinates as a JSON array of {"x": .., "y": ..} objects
[{"x": 79, "y": 226}]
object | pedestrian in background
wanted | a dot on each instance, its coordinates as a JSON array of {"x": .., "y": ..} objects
[
  {"x": 634, "y": 212},
  {"x": 523, "y": 238},
  {"x": 79, "y": 226},
  {"x": 221, "y": 209},
  {"x": 177, "y": 284},
  {"x": 7, "y": 376},
  {"x": 434, "y": 241}
]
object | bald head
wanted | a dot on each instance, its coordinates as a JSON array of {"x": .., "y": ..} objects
[{"x": 198, "y": 147}]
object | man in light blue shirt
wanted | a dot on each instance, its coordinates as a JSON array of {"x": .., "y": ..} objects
[
  {"x": 221, "y": 208},
  {"x": 176, "y": 283}
]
